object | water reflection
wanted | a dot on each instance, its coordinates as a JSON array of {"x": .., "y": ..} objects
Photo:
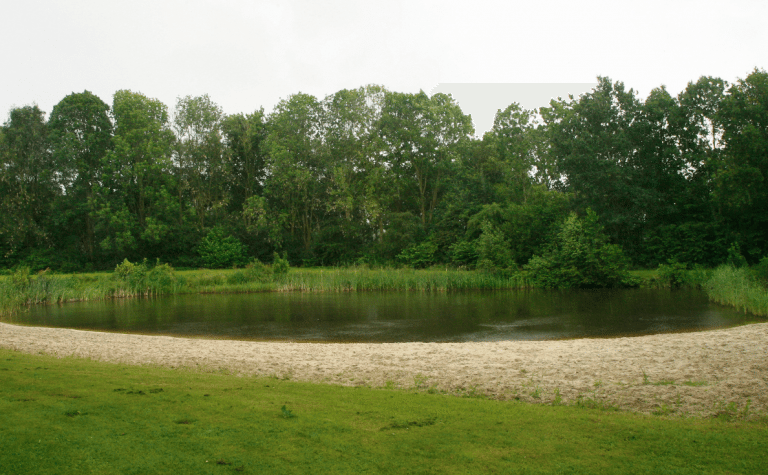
[{"x": 397, "y": 316}]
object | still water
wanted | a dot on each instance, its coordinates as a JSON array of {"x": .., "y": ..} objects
[{"x": 397, "y": 316}]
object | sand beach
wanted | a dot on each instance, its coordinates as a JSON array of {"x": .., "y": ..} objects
[{"x": 690, "y": 374}]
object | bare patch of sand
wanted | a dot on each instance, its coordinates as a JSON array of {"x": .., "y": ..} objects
[{"x": 699, "y": 374}]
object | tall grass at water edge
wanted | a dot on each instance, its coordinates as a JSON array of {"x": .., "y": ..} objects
[
  {"x": 22, "y": 288},
  {"x": 362, "y": 279},
  {"x": 739, "y": 288},
  {"x": 726, "y": 285}
]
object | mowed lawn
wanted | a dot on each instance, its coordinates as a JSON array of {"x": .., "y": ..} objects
[{"x": 80, "y": 416}]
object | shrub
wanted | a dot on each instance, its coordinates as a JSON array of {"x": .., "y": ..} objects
[
  {"x": 464, "y": 253},
  {"x": 160, "y": 279},
  {"x": 21, "y": 278},
  {"x": 218, "y": 250},
  {"x": 419, "y": 255},
  {"x": 255, "y": 271},
  {"x": 143, "y": 279},
  {"x": 493, "y": 249},
  {"x": 280, "y": 265},
  {"x": 761, "y": 269},
  {"x": 672, "y": 274},
  {"x": 580, "y": 256},
  {"x": 735, "y": 257}
]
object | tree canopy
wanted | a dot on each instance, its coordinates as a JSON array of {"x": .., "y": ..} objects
[{"x": 369, "y": 175}]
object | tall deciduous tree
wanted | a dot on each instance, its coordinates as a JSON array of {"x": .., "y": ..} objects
[
  {"x": 202, "y": 166},
  {"x": 26, "y": 180},
  {"x": 357, "y": 196},
  {"x": 421, "y": 136},
  {"x": 80, "y": 136},
  {"x": 593, "y": 142},
  {"x": 136, "y": 203},
  {"x": 296, "y": 186},
  {"x": 742, "y": 174},
  {"x": 513, "y": 141},
  {"x": 245, "y": 138}
]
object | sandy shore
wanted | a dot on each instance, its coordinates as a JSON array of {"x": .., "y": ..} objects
[{"x": 698, "y": 374}]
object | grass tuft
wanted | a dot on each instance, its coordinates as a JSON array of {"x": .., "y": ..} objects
[{"x": 737, "y": 287}]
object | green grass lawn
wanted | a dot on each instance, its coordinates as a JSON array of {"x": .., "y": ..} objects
[{"x": 80, "y": 416}]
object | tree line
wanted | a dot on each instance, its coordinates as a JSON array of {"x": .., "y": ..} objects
[{"x": 375, "y": 176}]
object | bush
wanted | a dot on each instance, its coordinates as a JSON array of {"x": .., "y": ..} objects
[
  {"x": 493, "y": 249},
  {"x": 255, "y": 271},
  {"x": 464, "y": 253},
  {"x": 280, "y": 265},
  {"x": 143, "y": 279},
  {"x": 761, "y": 269},
  {"x": 581, "y": 257},
  {"x": 420, "y": 255},
  {"x": 735, "y": 257},
  {"x": 672, "y": 274},
  {"x": 218, "y": 250},
  {"x": 21, "y": 278}
]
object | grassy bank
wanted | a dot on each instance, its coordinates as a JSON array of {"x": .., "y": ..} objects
[
  {"x": 739, "y": 288},
  {"x": 79, "y": 416},
  {"x": 724, "y": 285},
  {"x": 24, "y": 289}
]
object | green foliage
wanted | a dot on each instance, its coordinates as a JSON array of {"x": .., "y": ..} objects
[
  {"x": 493, "y": 249},
  {"x": 143, "y": 279},
  {"x": 255, "y": 271},
  {"x": 735, "y": 257},
  {"x": 702, "y": 243},
  {"x": 218, "y": 250},
  {"x": 464, "y": 253},
  {"x": 734, "y": 286},
  {"x": 280, "y": 266},
  {"x": 672, "y": 274},
  {"x": 580, "y": 257},
  {"x": 21, "y": 278},
  {"x": 419, "y": 255},
  {"x": 376, "y": 173},
  {"x": 761, "y": 269}
]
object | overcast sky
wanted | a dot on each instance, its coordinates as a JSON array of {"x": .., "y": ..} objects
[{"x": 250, "y": 54}]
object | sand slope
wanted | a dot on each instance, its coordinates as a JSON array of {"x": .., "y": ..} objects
[{"x": 731, "y": 365}]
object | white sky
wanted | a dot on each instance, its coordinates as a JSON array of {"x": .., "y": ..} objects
[{"x": 249, "y": 54}]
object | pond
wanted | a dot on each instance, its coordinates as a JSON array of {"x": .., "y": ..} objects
[{"x": 397, "y": 316}]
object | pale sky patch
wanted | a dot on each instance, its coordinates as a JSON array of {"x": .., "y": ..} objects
[{"x": 251, "y": 54}]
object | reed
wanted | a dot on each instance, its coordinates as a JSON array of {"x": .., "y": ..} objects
[
  {"x": 737, "y": 287},
  {"x": 428, "y": 280},
  {"x": 136, "y": 280}
]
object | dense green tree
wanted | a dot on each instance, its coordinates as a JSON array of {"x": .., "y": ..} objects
[
  {"x": 136, "y": 205},
  {"x": 740, "y": 190},
  {"x": 369, "y": 175},
  {"x": 26, "y": 182},
  {"x": 80, "y": 136},
  {"x": 513, "y": 140},
  {"x": 592, "y": 141},
  {"x": 245, "y": 138},
  {"x": 358, "y": 195},
  {"x": 580, "y": 256},
  {"x": 620, "y": 157},
  {"x": 297, "y": 183},
  {"x": 203, "y": 170},
  {"x": 422, "y": 136}
]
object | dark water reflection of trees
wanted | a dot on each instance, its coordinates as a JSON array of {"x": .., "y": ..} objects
[{"x": 398, "y": 316}]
